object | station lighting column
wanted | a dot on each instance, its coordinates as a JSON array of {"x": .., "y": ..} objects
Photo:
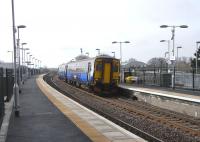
[
  {"x": 87, "y": 53},
  {"x": 22, "y": 78},
  {"x": 173, "y": 57},
  {"x": 12, "y": 58},
  {"x": 18, "y": 48},
  {"x": 168, "y": 45},
  {"x": 197, "y": 56},
  {"x": 177, "y": 55},
  {"x": 120, "y": 43},
  {"x": 27, "y": 63},
  {"x": 26, "y": 67},
  {"x": 15, "y": 86},
  {"x": 98, "y": 51},
  {"x": 30, "y": 65},
  {"x": 113, "y": 54}
]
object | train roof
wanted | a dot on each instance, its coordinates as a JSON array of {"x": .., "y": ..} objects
[{"x": 90, "y": 58}]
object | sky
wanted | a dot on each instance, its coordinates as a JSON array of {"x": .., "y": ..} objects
[{"x": 57, "y": 29}]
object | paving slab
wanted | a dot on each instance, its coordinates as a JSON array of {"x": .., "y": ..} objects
[{"x": 40, "y": 120}]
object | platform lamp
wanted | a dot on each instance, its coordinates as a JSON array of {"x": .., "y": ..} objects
[
  {"x": 15, "y": 86},
  {"x": 12, "y": 58},
  {"x": 113, "y": 54},
  {"x": 27, "y": 63},
  {"x": 173, "y": 38},
  {"x": 178, "y": 47},
  {"x": 120, "y": 43},
  {"x": 168, "y": 45},
  {"x": 98, "y": 51},
  {"x": 197, "y": 56},
  {"x": 87, "y": 53},
  {"x": 18, "y": 48},
  {"x": 22, "y": 45},
  {"x": 30, "y": 65}
]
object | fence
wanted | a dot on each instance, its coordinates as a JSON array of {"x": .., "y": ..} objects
[
  {"x": 6, "y": 88},
  {"x": 156, "y": 76}
]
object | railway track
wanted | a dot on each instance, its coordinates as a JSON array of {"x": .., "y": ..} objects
[{"x": 147, "y": 121}]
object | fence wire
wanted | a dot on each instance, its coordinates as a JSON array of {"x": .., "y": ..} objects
[{"x": 158, "y": 76}]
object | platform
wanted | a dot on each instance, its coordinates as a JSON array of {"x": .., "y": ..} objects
[
  {"x": 181, "y": 101},
  {"x": 40, "y": 120},
  {"x": 47, "y": 115},
  {"x": 192, "y": 96}
]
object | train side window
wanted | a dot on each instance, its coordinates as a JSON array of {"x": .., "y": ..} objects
[{"x": 115, "y": 68}]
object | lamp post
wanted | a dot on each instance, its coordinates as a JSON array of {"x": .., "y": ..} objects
[
  {"x": 87, "y": 53},
  {"x": 12, "y": 58},
  {"x": 173, "y": 38},
  {"x": 35, "y": 62},
  {"x": 120, "y": 43},
  {"x": 113, "y": 54},
  {"x": 173, "y": 32},
  {"x": 81, "y": 51},
  {"x": 33, "y": 65},
  {"x": 15, "y": 86},
  {"x": 40, "y": 64},
  {"x": 197, "y": 56},
  {"x": 168, "y": 44},
  {"x": 18, "y": 48},
  {"x": 22, "y": 78},
  {"x": 177, "y": 56},
  {"x": 30, "y": 65},
  {"x": 98, "y": 51},
  {"x": 27, "y": 63},
  {"x": 23, "y": 52},
  {"x": 166, "y": 53}
]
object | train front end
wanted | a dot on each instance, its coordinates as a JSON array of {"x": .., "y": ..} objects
[{"x": 106, "y": 74}]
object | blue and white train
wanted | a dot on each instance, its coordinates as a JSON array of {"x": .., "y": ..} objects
[{"x": 99, "y": 73}]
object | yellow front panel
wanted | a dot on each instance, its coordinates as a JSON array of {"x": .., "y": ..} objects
[
  {"x": 115, "y": 69},
  {"x": 107, "y": 68},
  {"x": 98, "y": 71},
  {"x": 97, "y": 74}
]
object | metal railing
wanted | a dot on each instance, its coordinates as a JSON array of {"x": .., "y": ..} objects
[{"x": 158, "y": 76}]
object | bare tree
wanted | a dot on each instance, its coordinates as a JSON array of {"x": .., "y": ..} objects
[{"x": 157, "y": 62}]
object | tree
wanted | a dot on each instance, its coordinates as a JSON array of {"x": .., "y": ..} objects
[
  {"x": 184, "y": 64},
  {"x": 81, "y": 57},
  {"x": 193, "y": 61},
  {"x": 131, "y": 63},
  {"x": 157, "y": 62}
]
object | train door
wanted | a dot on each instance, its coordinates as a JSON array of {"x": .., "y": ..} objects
[
  {"x": 89, "y": 72},
  {"x": 106, "y": 73}
]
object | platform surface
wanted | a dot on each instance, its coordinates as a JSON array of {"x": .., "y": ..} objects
[
  {"x": 40, "y": 120},
  {"x": 192, "y": 96},
  {"x": 49, "y": 116}
]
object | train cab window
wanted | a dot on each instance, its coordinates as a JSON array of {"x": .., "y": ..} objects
[{"x": 99, "y": 67}]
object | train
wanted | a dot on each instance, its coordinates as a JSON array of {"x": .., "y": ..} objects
[{"x": 100, "y": 73}]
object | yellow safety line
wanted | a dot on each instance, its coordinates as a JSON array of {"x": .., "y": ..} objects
[{"x": 84, "y": 126}]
